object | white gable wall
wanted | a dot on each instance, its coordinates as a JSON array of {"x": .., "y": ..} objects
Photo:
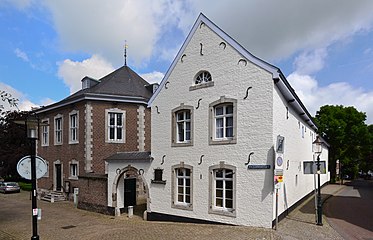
[
  {"x": 297, "y": 149},
  {"x": 254, "y": 188}
]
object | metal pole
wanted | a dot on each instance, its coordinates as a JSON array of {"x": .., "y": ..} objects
[
  {"x": 276, "y": 209},
  {"x": 33, "y": 181},
  {"x": 319, "y": 204}
]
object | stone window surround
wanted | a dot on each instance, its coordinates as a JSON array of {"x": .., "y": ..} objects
[
  {"x": 74, "y": 112},
  {"x": 212, "y": 209},
  {"x": 45, "y": 126},
  {"x": 174, "y": 187},
  {"x": 201, "y": 85},
  {"x": 58, "y": 116},
  {"x": 212, "y": 139},
  {"x": 174, "y": 142},
  {"x": 72, "y": 162},
  {"x": 115, "y": 110},
  {"x": 47, "y": 173}
]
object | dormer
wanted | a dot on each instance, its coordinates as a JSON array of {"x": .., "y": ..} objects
[
  {"x": 88, "y": 82},
  {"x": 152, "y": 87}
]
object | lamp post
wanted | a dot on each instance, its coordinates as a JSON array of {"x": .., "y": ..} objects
[
  {"x": 32, "y": 124},
  {"x": 317, "y": 149}
]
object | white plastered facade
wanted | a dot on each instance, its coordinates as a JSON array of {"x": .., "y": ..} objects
[{"x": 261, "y": 117}]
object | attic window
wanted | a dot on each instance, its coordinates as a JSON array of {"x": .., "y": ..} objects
[
  {"x": 203, "y": 77},
  {"x": 202, "y": 80}
]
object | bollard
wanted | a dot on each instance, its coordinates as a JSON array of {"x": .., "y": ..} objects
[{"x": 130, "y": 211}]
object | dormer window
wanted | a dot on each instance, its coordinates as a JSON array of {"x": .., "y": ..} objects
[{"x": 203, "y": 77}]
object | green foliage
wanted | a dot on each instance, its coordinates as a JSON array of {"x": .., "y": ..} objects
[
  {"x": 350, "y": 138},
  {"x": 13, "y": 143},
  {"x": 25, "y": 186}
]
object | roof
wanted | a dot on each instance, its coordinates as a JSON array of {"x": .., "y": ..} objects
[
  {"x": 280, "y": 80},
  {"x": 122, "y": 85},
  {"x": 130, "y": 156}
]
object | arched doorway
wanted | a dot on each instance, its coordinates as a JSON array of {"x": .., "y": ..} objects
[{"x": 130, "y": 189}]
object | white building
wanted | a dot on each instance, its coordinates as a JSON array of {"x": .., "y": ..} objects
[{"x": 218, "y": 108}]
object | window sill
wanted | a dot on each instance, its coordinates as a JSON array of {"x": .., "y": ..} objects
[
  {"x": 159, "y": 181},
  {"x": 182, "y": 144},
  {"x": 223, "y": 141},
  {"x": 58, "y": 144},
  {"x": 46, "y": 145},
  {"x": 223, "y": 212},
  {"x": 73, "y": 178},
  {"x": 202, "y": 85},
  {"x": 75, "y": 142},
  {"x": 117, "y": 142},
  {"x": 188, "y": 207}
]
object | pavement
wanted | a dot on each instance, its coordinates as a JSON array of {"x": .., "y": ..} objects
[{"x": 60, "y": 220}]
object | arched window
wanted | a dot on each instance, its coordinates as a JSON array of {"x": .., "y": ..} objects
[{"x": 203, "y": 77}]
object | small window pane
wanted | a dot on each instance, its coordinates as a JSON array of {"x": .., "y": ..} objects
[
  {"x": 187, "y": 181},
  {"x": 119, "y": 133},
  {"x": 229, "y": 203},
  {"x": 180, "y": 190},
  {"x": 219, "y": 183},
  {"x": 219, "y": 202},
  {"x": 228, "y": 173},
  {"x": 229, "y": 109},
  {"x": 119, "y": 119},
  {"x": 229, "y": 194},
  {"x": 111, "y": 133},
  {"x": 180, "y": 198},
  {"x": 187, "y": 190},
  {"x": 187, "y": 171},
  {"x": 180, "y": 181},
  {"x": 228, "y": 184},
  {"x": 219, "y": 173},
  {"x": 219, "y": 193},
  {"x": 187, "y": 199},
  {"x": 219, "y": 111}
]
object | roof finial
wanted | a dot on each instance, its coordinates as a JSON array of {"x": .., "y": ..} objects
[{"x": 125, "y": 52}]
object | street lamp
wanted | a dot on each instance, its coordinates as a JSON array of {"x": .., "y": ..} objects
[
  {"x": 317, "y": 149},
  {"x": 32, "y": 123}
]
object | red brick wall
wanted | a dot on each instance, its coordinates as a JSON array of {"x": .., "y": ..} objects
[{"x": 64, "y": 152}]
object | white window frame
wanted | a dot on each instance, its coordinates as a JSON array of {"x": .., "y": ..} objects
[
  {"x": 108, "y": 126},
  {"x": 175, "y": 186},
  {"x": 74, "y": 128},
  {"x": 175, "y": 126},
  {"x": 73, "y": 167},
  {"x": 58, "y": 131},
  {"x": 222, "y": 210},
  {"x": 222, "y": 102},
  {"x": 45, "y": 132}
]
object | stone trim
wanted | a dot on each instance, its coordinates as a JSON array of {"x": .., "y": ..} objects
[
  {"x": 141, "y": 128},
  {"x": 174, "y": 142},
  {"x": 88, "y": 144},
  {"x": 212, "y": 140},
  {"x": 73, "y": 112},
  {"x": 174, "y": 187}
]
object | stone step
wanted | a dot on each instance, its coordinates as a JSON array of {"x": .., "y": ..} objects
[{"x": 54, "y": 197}]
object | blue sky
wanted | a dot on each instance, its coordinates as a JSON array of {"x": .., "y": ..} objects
[{"x": 324, "y": 48}]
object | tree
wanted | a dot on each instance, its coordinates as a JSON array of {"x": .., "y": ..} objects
[
  {"x": 13, "y": 143},
  {"x": 345, "y": 130}
]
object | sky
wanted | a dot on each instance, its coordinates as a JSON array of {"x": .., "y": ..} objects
[{"x": 323, "y": 47}]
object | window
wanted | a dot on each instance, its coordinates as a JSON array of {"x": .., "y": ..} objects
[
  {"x": 158, "y": 176},
  {"x": 115, "y": 120},
  {"x": 45, "y": 132},
  {"x": 201, "y": 80},
  {"x": 58, "y": 130},
  {"x": 74, "y": 170},
  {"x": 203, "y": 77},
  {"x": 182, "y": 126},
  {"x": 223, "y": 121},
  {"x": 73, "y": 124},
  {"x": 222, "y": 189},
  {"x": 182, "y": 196},
  {"x": 47, "y": 173}
]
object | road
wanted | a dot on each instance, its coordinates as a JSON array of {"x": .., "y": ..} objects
[{"x": 350, "y": 211}]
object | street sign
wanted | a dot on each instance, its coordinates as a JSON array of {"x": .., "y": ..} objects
[
  {"x": 279, "y": 172},
  {"x": 24, "y": 167},
  {"x": 259, "y": 166}
]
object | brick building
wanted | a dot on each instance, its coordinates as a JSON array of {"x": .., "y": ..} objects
[{"x": 79, "y": 134}]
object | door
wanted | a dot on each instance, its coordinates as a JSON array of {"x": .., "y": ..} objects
[
  {"x": 129, "y": 192},
  {"x": 58, "y": 177}
]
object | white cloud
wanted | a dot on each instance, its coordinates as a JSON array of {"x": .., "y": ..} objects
[
  {"x": 101, "y": 27},
  {"x": 275, "y": 29},
  {"x": 72, "y": 72},
  {"x": 153, "y": 77},
  {"x": 21, "y": 54},
  {"x": 339, "y": 93},
  {"x": 24, "y": 104},
  {"x": 311, "y": 61}
]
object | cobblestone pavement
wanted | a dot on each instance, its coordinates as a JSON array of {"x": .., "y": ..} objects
[{"x": 60, "y": 220}]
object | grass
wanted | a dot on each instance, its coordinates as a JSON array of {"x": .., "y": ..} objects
[{"x": 25, "y": 186}]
